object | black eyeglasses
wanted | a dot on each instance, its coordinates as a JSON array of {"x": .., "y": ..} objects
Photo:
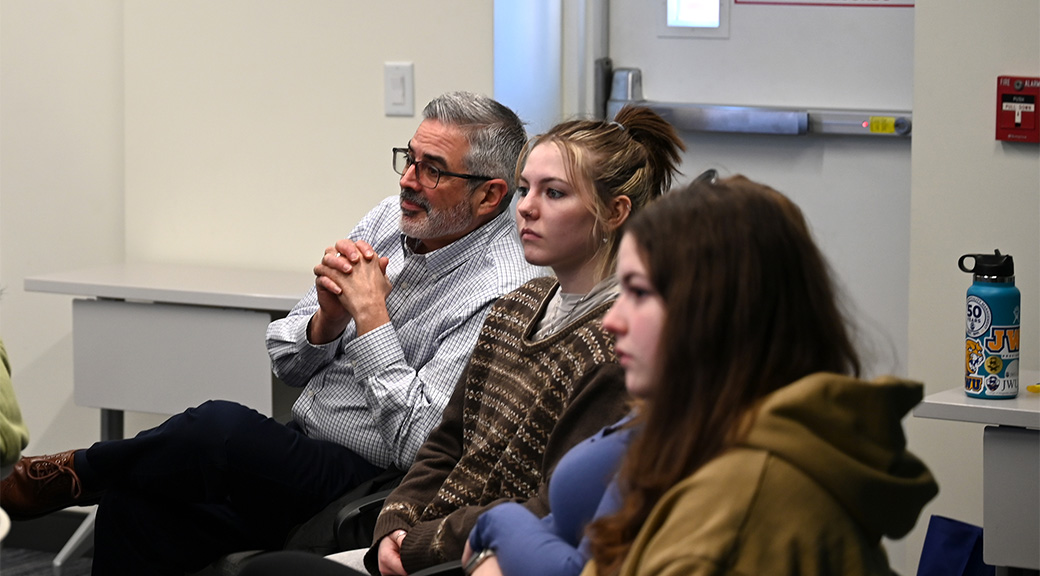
[{"x": 429, "y": 176}]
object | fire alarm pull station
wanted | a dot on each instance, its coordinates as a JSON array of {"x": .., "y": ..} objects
[{"x": 1016, "y": 109}]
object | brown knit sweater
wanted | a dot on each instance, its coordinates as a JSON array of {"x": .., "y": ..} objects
[{"x": 518, "y": 408}]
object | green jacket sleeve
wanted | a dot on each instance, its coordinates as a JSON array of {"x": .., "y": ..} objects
[{"x": 13, "y": 433}]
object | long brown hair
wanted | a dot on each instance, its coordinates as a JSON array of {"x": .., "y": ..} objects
[
  {"x": 750, "y": 308},
  {"x": 635, "y": 155}
]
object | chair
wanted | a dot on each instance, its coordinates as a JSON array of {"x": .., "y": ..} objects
[
  {"x": 354, "y": 522},
  {"x": 353, "y": 525},
  {"x": 325, "y": 533}
]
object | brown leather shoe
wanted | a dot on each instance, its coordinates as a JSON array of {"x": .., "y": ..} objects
[{"x": 40, "y": 485}]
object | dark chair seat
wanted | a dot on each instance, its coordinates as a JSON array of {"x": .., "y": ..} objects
[{"x": 346, "y": 523}]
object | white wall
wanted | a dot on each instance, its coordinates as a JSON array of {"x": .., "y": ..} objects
[
  {"x": 61, "y": 190},
  {"x": 244, "y": 133},
  {"x": 970, "y": 194},
  {"x": 255, "y": 133}
]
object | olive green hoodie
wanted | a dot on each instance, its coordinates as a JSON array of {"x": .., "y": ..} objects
[
  {"x": 822, "y": 475},
  {"x": 13, "y": 433}
]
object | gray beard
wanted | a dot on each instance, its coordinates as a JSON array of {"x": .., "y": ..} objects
[{"x": 449, "y": 222}]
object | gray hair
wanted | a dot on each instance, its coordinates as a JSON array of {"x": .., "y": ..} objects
[{"x": 494, "y": 132}]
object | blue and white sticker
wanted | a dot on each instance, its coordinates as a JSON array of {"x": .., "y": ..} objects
[{"x": 979, "y": 317}]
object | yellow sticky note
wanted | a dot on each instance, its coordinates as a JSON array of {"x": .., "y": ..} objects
[{"x": 883, "y": 124}]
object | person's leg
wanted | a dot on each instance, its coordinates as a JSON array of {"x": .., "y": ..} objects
[
  {"x": 292, "y": 562},
  {"x": 225, "y": 451},
  {"x": 215, "y": 479}
]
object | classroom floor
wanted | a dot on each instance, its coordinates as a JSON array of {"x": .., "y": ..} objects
[{"x": 22, "y": 562}]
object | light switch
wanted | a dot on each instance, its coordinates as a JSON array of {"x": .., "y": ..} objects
[{"x": 398, "y": 89}]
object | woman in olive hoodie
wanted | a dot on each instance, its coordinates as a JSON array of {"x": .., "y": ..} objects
[{"x": 759, "y": 450}]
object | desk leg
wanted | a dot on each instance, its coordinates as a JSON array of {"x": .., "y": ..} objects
[
  {"x": 111, "y": 424},
  {"x": 83, "y": 539}
]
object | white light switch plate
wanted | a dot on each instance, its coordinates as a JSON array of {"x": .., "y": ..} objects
[{"x": 398, "y": 89}]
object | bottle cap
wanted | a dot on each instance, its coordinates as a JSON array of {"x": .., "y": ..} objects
[{"x": 995, "y": 264}]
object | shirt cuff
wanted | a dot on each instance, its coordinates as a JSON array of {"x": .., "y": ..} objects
[
  {"x": 303, "y": 342},
  {"x": 372, "y": 352}
]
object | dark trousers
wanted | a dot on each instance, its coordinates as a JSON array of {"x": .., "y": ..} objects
[{"x": 212, "y": 480}]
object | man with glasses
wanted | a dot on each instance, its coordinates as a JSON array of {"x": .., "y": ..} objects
[{"x": 377, "y": 345}]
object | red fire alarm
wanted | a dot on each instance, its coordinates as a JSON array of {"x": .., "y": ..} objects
[{"x": 1016, "y": 109}]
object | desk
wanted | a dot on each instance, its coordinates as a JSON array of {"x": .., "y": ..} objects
[
  {"x": 1010, "y": 468},
  {"x": 162, "y": 338}
]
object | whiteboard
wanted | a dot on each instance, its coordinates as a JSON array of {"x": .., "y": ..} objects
[
  {"x": 854, "y": 190},
  {"x": 851, "y": 57}
]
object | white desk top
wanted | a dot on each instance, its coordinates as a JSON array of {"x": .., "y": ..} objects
[
  {"x": 181, "y": 284},
  {"x": 1022, "y": 411}
]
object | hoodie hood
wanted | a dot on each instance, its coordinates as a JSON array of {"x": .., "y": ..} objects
[{"x": 847, "y": 435}]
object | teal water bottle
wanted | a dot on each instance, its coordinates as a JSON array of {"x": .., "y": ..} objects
[{"x": 991, "y": 329}]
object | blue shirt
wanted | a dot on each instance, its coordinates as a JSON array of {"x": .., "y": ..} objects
[
  {"x": 380, "y": 394},
  {"x": 580, "y": 490}
]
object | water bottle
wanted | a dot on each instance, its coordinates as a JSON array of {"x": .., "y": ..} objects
[{"x": 991, "y": 328}]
